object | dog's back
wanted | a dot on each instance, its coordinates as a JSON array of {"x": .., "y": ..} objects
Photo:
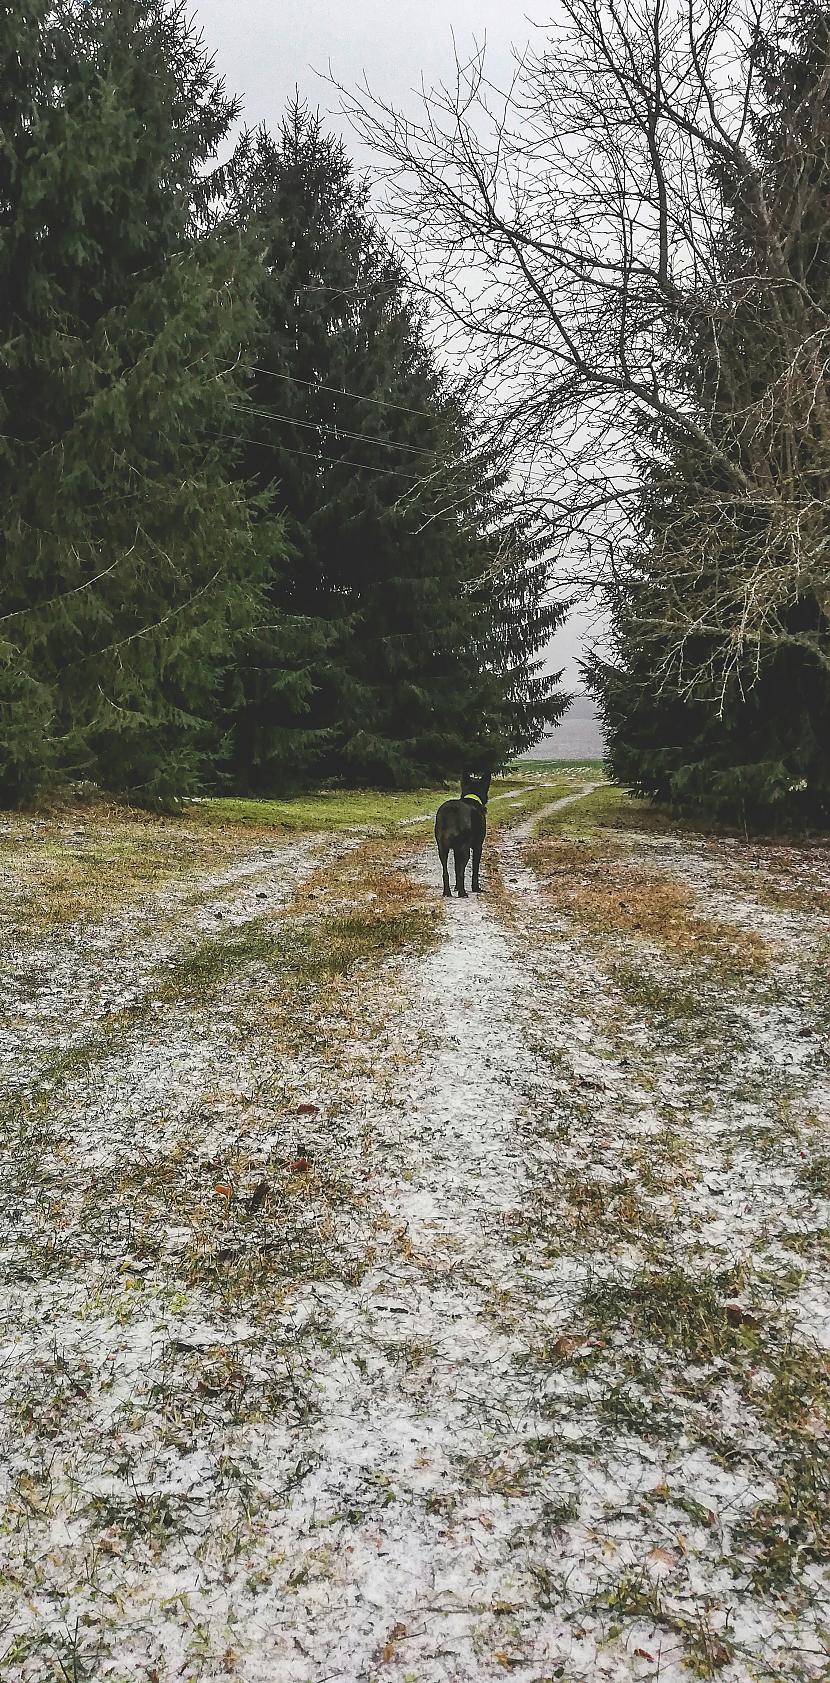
[{"x": 455, "y": 821}]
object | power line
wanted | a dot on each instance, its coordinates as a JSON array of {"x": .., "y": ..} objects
[
  {"x": 336, "y": 461},
  {"x": 329, "y": 461},
  {"x": 339, "y": 391},
  {"x": 321, "y": 426}
]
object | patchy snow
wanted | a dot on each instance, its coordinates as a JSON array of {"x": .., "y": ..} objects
[
  {"x": 404, "y": 1423},
  {"x": 60, "y": 987}
]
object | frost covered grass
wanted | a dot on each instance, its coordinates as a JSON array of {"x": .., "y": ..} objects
[
  {"x": 82, "y": 863},
  {"x": 607, "y": 885},
  {"x": 407, "y": 1290}
]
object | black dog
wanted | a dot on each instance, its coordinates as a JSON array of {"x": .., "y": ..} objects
[{"x": 460, "y": 828}]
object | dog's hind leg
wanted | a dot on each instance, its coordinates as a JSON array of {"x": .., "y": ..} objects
[
  {"x": 444, "y": 854},
  {"x": 475, "y": 884},
  {"x": 462, "y": 854}
]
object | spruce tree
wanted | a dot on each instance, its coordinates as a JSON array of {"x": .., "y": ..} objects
[
  {"x": 751, "y": 742},
  {"x": 392, "y": 517},
  {"x": 130, "y": 553},
  {"x": 27, "y": 70}
]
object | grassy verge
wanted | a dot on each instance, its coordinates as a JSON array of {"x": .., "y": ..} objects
[
  {"x": 591, "y": 770},
  {"x": 525, "y": 803},
  {"x": 607, "y": 810},
  {"x": 312, "y": 953},
  {"x": 83, "y": 863},
  {"x": 581, "y": 857},
  {"x": 80, "y": 865},
  {"x": 350, "y": 809},
  {"x": 323, "y": 809}
]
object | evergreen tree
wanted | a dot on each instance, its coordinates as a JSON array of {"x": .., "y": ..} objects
[
  {"x": 749, "y": 740},
  {"x": 27, "y": 69},
  {"x": 131, "y": 556},
  {"x": 411, "y": 665}
]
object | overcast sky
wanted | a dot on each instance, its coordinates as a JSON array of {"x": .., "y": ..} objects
[{"x": 266, "y": 48}]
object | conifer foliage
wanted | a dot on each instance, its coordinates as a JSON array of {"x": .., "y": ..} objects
[
  {"x": 407, "y": 660},
  {"x": 129, "y": 551},
  {"x": 247, "y": 533}
]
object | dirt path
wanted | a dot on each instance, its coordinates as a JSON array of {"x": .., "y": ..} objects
[{"x": 515, "y": 1369}]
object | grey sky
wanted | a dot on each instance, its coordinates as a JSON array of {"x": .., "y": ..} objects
[{"x": 264, "y": 48}]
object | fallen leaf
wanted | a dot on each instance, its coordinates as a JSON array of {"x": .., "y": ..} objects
[
  {"x": 564, "y": 1345},
  {"x": 666, "y": 1557},
  {"x": 31, "y": 1493},
  {"x": 223, "y": 1190},
  {"x": 643, "y": 1654},
  {"x": 738, "y": 1316},
  {"x": 719, "y": 1654},
  {"x": 814, "y": 1425},
  {"x": 301, "y": 1165},
  {"x": 387, "y": 1652},
  {"x": 307, "y": 1109}
]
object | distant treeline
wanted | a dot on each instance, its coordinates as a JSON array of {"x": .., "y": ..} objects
[{"x": 249, "y": 532}]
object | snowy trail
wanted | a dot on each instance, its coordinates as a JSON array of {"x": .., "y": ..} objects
[
  {"x": 444, "y": 1449},
  {"x": 484, "y": 1532},
  {"x": 60, "y": 987}
]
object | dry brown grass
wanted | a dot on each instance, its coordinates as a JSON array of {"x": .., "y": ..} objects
[
  {"x": 598, "y": 883},
  {"x": 595, "y": 1214},
  {"x": 80, "y": 864},
  {"x": 373, "y": 876},
  {"x": 352, "y": 914},
  {"x": 790, "y": 881}
]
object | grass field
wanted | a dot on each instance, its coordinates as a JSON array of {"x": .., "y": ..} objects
[{"x": 404, "y": 1290}]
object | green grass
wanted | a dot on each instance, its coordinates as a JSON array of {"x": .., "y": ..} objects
[
  {"x": 325, "y": 809},
  {"x": 376, "y": 809},
  {"x": 607, "y": 808},
  {"x": 612, "y": 809},
  {"x": 666, "y": 1001},
  {"x": 814, "y": 1175},
  {"x": 305, "y": 952},
  {"x": 682, "y": 1312},
  {"x": 532, "y": 800},
  {"x": 690, "y": 1319}
]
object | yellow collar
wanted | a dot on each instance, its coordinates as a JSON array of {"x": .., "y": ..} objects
[{"x": 473, "y": 798}]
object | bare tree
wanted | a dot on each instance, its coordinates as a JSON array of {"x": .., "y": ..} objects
[{"x": 570, "y": 230}]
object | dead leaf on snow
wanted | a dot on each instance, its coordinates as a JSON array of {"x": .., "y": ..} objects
[
  {"x": 387, "y": 1652},
  {"x": 664, "y": 1557}
]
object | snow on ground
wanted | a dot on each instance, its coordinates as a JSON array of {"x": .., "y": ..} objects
[
  {"x": 60, "y": 987},
  {"x": 472, "y": 1330}
]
